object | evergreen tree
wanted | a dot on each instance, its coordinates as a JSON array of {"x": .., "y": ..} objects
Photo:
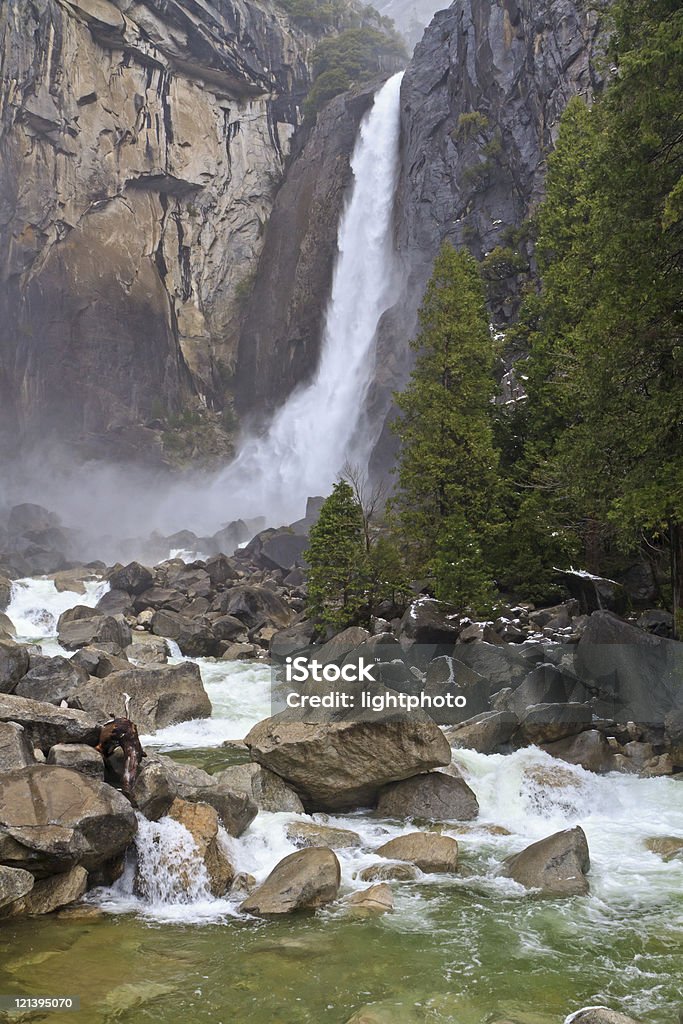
[
  {"x": 446, "y": 501},
  {"x": 336, "y": 558}
]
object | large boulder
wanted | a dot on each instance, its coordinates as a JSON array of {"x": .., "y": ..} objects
[
  {"x": 377, "y": 899},
  {"x": 95, "y": 628},
  {"x": 484, "y": 733},
  {"x": 310, "y": 833},
  {"x": 133, "y": 578},
  {"x": 160, "y": 695},
  {"x": 637, "y": 674},
  {"x": 194, "y": 637},
  {"x": 446, "y": 675},
  {"x": 51, "y": 679},
  {"x": 29, "y": 518},
  {"x": 268, "y": 790},
  {"x": 594, "y": 593},
  {"x": 5, "y": 592},
  {"x": 256, "y": 606},
  {"x": 14, "y": 883},
  {"x": 282, "y": 550},
  {"x": 545, "y": 684},
  {"x": 342, "y": 764},
  {"x": 153, "y": 791},
  {"x": 15, "y": 749},
  {"x": 291, "y": 641},
  {"x": 546, "y": 723},
  {"x": 431, "y": 622},
  {"x": 78, "y": 757},
  {"x": 557, "y": 865},
  {"x": 500, "y": 664},
  {"x": 115, "y": 602},
  {"x": 46, "y": 724},
  {"x": 435, "y": 796},
  {"x": 589, "y": 749},
  {"x": 14, "y": 663},
  {"x": 100, "y": 661},
  {"x": 49, "y": 894},
  {"x": 201, "y": 821},
  {"x": 236, "y": 809},
  {"x": 341, "y": 645},
  {"x": 220, "y": 570},
  {"x": 429, "y": 851},
  {"x": 304, "y": 880},
  {"x": 52, "y": 819}
]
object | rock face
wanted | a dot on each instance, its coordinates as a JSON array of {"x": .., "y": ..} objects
[
  {"x": 52, "y": 819},
  {"x": 556, "y": 865},
  {"x": 480, "y": 105},
  {"x": 153, "y": 140},
  {"x": 343, "y": 764},
  {"x": 304, "y": 880}
]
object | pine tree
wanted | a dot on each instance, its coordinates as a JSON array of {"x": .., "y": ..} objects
[
  {"x": 446, "y": 501},
  {"x": 337, "y": 561}
]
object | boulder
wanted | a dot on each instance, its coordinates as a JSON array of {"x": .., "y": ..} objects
[
  {"x": 546, "y": 684},
  {"x": 15, "y": 749},
  {"x": 342, "y": 764},
  {"x": 291, "y": 641},
  {"x": 546, "y": 723},
  {"x": 429, "y": 851},
  {"x": 49, "y": 894},
  {"x": 201, "y": 821},
  {"x": 100, "y": 661},
  {"x": 500, "y": 664},
  {"x": 431, "y": 622},
  {"x": 115, "y": 602},
  {"x": 227, "y": 627},
  {"x": 283, "y": 550},
  {"x": 589, "y": 749},
  {"x": 637, "y": 674},
  {"x": 309, "y": 833},
  {"x": 194, "y": 637},
  {"x": 148, "y": 650},
  {"x": 46, "y": 724},
  {"x": 377, "y": 899},
  {"x": 5, "y": 592},
  {"x": 236, "y": 810},
  {"x": 156, "y": 598},
  {"x": 341, "y": 645},
  {"x": 484, "y": 733},
  {"x": 601, "y": 1015},
  {"x": 434, "y": 796},
  {"x": 666, "y": 847},
  {"x": 7, "y": 630},
  {"x": 14, "y": 883},
  {"x": 556, "y": 865},
  {"x": 256, "y": 606},
  {"x": 132, "y": 578},
  {"x": 220, "y": 570},
  {"x": 153, "y": 792},
  {"x": 52, "y": 819},
  {"x": 94, "y": 629},
  {"x": 14, "y": 663},
  {"x": 29, "y": 518},
  {"x": 51, "y": 679},
  {"x": 268, "y": 790},
  {"x": 239, "y": 652},
  {"x": 78, "y": 757},
  {"x": 399, "y": 872},
  {"x": 446, "y": 675},
  {"x": 594, "y": 593},
  {"x": 657, "y": 621},
  {"x": 304, "y": 880},
  {"x": 160, "y": 695}
]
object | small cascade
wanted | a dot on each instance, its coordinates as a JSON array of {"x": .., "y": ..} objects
[
  {"x": 169, "y": 867},
  {"x": 36, "y": 605}
]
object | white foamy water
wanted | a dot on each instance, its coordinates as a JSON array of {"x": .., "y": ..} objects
[{"x": 36, "y": 605}]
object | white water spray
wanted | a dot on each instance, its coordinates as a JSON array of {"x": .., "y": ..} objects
[{"x": 316, "y": 430}]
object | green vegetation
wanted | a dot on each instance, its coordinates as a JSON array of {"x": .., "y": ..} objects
[
  {"x": 350, "y": 58},
  {"x": 470, "y": 124}
]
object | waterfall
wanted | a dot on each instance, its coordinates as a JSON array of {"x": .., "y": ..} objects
[{"x": 321, "y": 424}]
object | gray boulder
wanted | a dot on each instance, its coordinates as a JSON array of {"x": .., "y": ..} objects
[
  {"x": 100, "y": 661},
  {"x": 268, "y": 790},
  {"x": 305, "y": 880},
  {"x": 15, "y": 749},
  {"x": 132, "y": 578},
  {"x": 291, "y": 641},
  {"x": 673, "y": 732},
  {"x": 429, "y": 851},
  {"x": 14, "y": 662},
  {"x": 49, "y": 894},
  {"x": 51, "y": 679},
  {"x": 256, "y": 606},
  {"x": 589, "y": 749},
  {"x": 434, "y": 796},
  {"x": 92, "y": 629},
  {"x": 545, "y": 723},
  {"x": 500, "y": 664},
  {"x": 556, "y": 865},
  {"x": 194, "y": 637},
  {"x": 14, "y": 883},
  {"x": 446, "y": 675},
  {"x": 484, "y": 733},
  {"x": 46, "y": 724},
  {"x": 115, "y": 602},
  {"x": 594, "y": 593},
  {"x": 52, "y": 819},
  {"x": 78, "y": 757},
  {"x": 161, "y": 695},
  {"x": 236, "y": 809},
  {"x": 431, "y": 622},
  {"x": 154, "y": 790},
  {"x": 340, "y": 646}
]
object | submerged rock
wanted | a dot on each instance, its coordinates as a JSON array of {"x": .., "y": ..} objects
[
  {"x": 666, "y": 847},
  {"x": 377, "y": 899},
  {"x": 304, "y": 880},
  {"x": 556, "y": 865},
  {"x": 429, "y": 851},
  {"x": 309, "y": 833},
  {"x": 601, "y": 1015},
  {"x": 399, "y": 872}
]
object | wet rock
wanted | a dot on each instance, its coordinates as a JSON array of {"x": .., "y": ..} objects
[
  {"x": 236, "y": 810},
  {"x": 91, "y": 629},
  {"x": 14, "y": 883},
  {"x": 7, "y": 630},
  {"x": 429, "y": 851},
  {"x": 589, "y": 749},
  {"x": 160, "y": 695},
  {"x": 133, "y": 578},
  {"x": 153, "y": 792},
  {"x": 242, "y": 884},
  {"x": 51, "y": 679},
  {"x": 239, "y": 652},
  {"x": 15, "y": 749},
  {"x": 148, "y": 650},
  {"x": 268, "y": 790},
  {"x": 194, "y": 637},
  {"x": 377, "y": 899},
  {"x": 45, "y": 724},
  {"x": 666, "y": 847},
  {"x": 49, "y": 894},
  {"x": 5, "y": 592},
  {"x": 14, "y": 663},
  {"x": 305, "y": 880},
  {"x": 399, "y": 872},
  {"x": 428, "y": 621},
  {"x": 557, "y": 865},
  {"x": 306, "y": 833},
  {"x": 546, "y": 723},
  {"x": 343, "y": 764},
  {"x": 52, "y": 819},
  {"x": 201, "y": 821},
  {"x": 434, "y": 796},
  {"x": 78, "y": 757},
  {"x": 484, "y": 733}
]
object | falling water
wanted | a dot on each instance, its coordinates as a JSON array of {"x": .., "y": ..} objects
[{"x": 315, "y": 432}]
